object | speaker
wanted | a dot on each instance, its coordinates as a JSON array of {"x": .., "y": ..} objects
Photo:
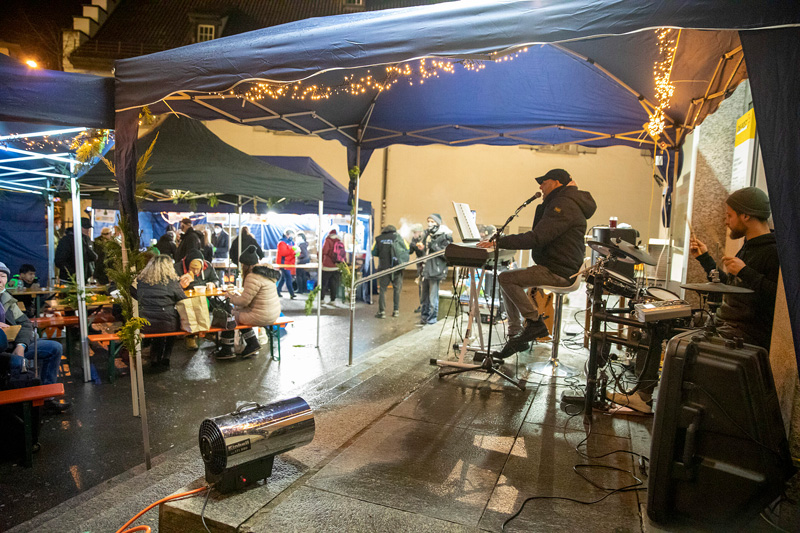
[
  {"x": 604, "y": 234},
  {"x": 719, "y": 453}
]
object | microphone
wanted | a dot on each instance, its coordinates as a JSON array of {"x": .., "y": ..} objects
[{"x": 532, "y": 198}]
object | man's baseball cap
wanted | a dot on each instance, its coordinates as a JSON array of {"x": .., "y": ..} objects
[{"x": 558, "y": 174}]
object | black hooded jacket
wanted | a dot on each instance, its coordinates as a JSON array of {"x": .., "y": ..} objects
[{"x": 556, "y": 240}]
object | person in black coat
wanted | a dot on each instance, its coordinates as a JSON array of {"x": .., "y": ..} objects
[
  {"x": 303, "y": 259},
  {"x": 166, "y": 244},
  {"x": 247, "y": 241},
  {"x": 157, "y": 292},
  {"x": 190, "y": 240},
  {"x": 65, "y": 252},
  {"x": 221, "y": 241}
]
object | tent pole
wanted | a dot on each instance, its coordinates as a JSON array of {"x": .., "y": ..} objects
[
  {"x": 142, "y": 399},
  {"x": 51, "y": 243},
  {"x": 77, "y": 234},
  {"x": 239, "y": 279},
  {"x": 353, "y": 221},
  {"x": 319, "y": 272}
]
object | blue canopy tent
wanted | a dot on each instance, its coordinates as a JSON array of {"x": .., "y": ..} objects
[
  {"x": 42, "y": 112},
  {"x": 510, "y": 72}
]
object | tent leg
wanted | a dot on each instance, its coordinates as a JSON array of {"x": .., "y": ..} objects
[
  {"x": 239, "y": 280},
  {"x": 142, "y": 400},
  {"x": 51, "y": 243},
  {"x": 319, "y": 272},
  {"x": 79, "y": 276},
  {"x": 353, "y": 224}
]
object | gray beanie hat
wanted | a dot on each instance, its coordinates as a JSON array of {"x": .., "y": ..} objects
[
  {"x": 750, "y": 201},
  {"x": 437, "y": 217},
  {"x": 4, "y": 268}
]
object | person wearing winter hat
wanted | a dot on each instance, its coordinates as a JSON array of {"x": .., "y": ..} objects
[
  {"x": 755, "y": 266},
  {"x": 434, "y": 270},
  {"x": 194, "y": 271},
  {"x": 287, "y": 252},
  {"x": 64, "y": 258},
  {"x": 257, "y": 305},
  {"x": 48, "y": 353},
  {"x": 391, "y": 250}
]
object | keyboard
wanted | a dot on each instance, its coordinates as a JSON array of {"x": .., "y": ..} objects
[
  {"x": 662, "y": 310},
  {"x": 470, "y": 255}
]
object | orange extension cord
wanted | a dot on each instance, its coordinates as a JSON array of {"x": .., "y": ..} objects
[{"x": 147, "y": 529}]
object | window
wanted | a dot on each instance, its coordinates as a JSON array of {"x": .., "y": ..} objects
[
  {"x": 205, "y": 32},
  {"x": 354, "y": 2}
]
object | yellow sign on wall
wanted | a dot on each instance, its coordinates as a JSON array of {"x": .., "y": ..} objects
[
  {"x": 743, "y": 151},
  {"x": 746, "y": 127}
]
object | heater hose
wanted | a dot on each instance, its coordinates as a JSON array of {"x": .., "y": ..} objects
[{"x": 147, "y": 529}]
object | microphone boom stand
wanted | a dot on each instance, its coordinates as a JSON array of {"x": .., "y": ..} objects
[{"x": 488, "y": 364}]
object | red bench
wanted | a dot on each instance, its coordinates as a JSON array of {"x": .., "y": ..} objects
[
  {"x": 30, "y": 397},
  {"x": 111, "y": 340}
]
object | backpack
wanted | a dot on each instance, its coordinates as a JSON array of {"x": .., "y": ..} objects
[
  {"x": 400, "y": 251},
  {"x": 339, "y": 254}
]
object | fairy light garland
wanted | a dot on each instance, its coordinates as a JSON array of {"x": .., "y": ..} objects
[
  {"x": 355, "y": 85},
  {"x": 662, "y": 71}
]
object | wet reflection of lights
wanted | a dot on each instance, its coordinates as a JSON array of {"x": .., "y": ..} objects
[
  {"x": 65, "y": 424},
  {"x": 492, "y": 443},
  {"x": 76, "y": 476}
]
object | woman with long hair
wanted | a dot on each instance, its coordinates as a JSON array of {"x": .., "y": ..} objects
[
  {"x": 157, "y": 292},
  {"x": 257, "y": 305}
]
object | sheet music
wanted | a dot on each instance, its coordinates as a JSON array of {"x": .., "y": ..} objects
[{"x": 466, "y": 223}]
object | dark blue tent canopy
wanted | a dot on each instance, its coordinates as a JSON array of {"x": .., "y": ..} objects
[{"x": 523, "y": 72}]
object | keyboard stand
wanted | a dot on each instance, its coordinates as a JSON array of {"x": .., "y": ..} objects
[{"x": 488, "y": 365}]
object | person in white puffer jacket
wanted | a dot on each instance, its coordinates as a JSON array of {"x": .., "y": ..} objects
[{"x": 257, "y": 305}]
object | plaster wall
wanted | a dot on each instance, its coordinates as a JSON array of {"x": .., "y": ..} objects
[{"x": 492, "y": 180}]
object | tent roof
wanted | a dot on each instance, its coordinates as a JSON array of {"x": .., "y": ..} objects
[
  {"x": 334, "y": 194},
  {"x": 41, "y": 111},
  {"x": 574, "y": 83},
  {"x": 187, "y": 156}
]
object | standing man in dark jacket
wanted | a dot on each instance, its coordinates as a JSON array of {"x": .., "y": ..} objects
[
  {"x": 755, "y": 266},
  {"x": 65, "y": 252},
  {"x": 166, "y": 244},
  {"x": 190, "y": 240},
  {"x": 434, "y": 270},
  {"x": 557, "y": 247},
  {"x": 391, "y": 250},
  {"x": 221, "y": 242},
  {"x": 303, "y": 259}
]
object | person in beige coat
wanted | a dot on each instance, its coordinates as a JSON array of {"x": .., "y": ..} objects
[{"x": 257, "y": 305}]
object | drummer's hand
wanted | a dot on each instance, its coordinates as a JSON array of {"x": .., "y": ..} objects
[
  {"x": 486, "y": 243},
  {"x": 420, "y": 246},
  {"x": 733, "y": 265},
  {"x": 697, "y": 248}
]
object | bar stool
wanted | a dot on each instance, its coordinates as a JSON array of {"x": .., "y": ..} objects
[{"x": 553, "y": 367}]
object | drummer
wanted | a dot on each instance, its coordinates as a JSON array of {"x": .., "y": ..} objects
[
  {"x": 557, "y": 247},
  {"x": 755, "y": 266}
]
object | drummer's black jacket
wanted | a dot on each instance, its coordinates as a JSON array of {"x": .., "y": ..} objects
[
  {"x": 556, "y": 240},
  {"x": 751, "y": 313}
]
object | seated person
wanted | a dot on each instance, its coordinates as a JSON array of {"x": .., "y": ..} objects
[
  {"x": 49, "y": 352},
  {"x": 195, "y": 271},
  {"x": 26, "y": 279},
  {"x": 257, "y": 305},
  {"x": 157, "y": 292},
  {"x": 755, "y": 266}
]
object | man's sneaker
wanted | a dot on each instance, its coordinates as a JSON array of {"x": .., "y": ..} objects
[
  {"x": 634, "y": 401},
  {"x": 513, "y": 346},
  {"x": 396, "y": 313},
  {"x": 534, "y": 329},
  {"x": 380, "y": 314}
]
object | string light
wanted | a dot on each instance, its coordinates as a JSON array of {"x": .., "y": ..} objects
[
  {"x": 662, "y": 70},
  {"x": 356, "y": 85}
]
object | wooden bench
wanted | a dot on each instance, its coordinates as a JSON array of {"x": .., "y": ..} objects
[
  {"x": 30, "y": 397},
  {"x": 111, "y": 340}
]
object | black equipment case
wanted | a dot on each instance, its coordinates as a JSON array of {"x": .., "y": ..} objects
[{"x": 719, "y": 452}]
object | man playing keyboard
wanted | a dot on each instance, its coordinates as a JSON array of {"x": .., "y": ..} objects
[{"x": 557, "y": 248}]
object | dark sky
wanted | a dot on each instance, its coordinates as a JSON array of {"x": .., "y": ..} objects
[{"x": 35, "y": 25}]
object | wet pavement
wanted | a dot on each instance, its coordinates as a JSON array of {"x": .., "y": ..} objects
[
  {"x": 99, "y": 438},
  {"x": 397, "y": 448}
]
